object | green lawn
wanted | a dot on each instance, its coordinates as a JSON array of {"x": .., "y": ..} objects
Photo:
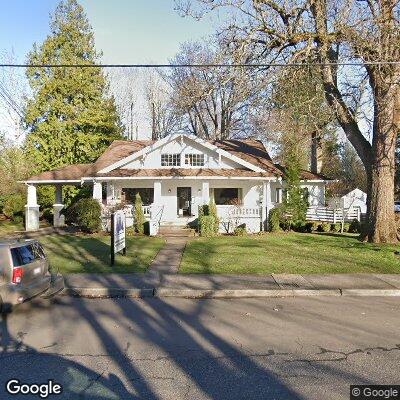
[
  {"x": 296, "y": 253},
  {"x": 76, "y": 254},
  {"x": 8, "y": 227}
]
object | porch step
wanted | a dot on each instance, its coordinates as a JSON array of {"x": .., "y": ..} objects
[{"x": 176, "y": 231}]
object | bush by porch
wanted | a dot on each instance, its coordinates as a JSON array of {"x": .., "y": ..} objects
[
  {"x": 293, "y": 253},
  {"x": 91, "y": 254}
]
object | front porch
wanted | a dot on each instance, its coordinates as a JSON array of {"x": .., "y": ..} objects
[{"x": 175, "y": 202}]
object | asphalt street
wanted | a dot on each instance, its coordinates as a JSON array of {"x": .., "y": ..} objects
[{"x": 290, "y": 348}]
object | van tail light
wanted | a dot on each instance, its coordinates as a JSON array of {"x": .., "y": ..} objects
[{"x": 18, "y": 272}]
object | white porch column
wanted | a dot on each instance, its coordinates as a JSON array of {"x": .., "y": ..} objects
[
  {"x": 206, "y": 192},
  {"x": 97, "y": 191},
  {"x": 32, "y": 210},
  {"x": 58, "y": 219},
  {"x": 111, "y": 198},
  {"x": 266, "y": 204},
  {"x": 264, "y": 207},
  {"x": 157, "y": 202}
]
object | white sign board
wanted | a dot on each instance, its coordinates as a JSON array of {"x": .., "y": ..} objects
[{"x": 119, "y": 231}]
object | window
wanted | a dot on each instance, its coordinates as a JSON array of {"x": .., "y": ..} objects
[
  {"x": 146, "y": 194},
  {"x": 170, "y": 160},
  {"x": 194, "y": 160},
  {"x": 26, "y": 254},
  {"x": 227, "y": 196}
]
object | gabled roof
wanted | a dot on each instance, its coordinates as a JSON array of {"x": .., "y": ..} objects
[
  {"x": 159, "y": 143},
  {"x": 249, "y": 151}
]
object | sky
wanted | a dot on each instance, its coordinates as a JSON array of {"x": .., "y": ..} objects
[{"x": 127, "y": 31}]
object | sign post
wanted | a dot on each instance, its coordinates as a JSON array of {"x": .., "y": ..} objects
[{"x": 118, "y": 234}]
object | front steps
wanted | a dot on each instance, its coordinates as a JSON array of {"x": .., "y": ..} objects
[{"x": 175, "y": 231}]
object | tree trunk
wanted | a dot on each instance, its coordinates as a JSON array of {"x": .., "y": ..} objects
[
  {"x": 316, "y": 153},
  {"x": 381, "y": 219}
]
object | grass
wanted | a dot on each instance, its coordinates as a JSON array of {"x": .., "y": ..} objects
[
  {"x": 294, "y": 253},
  {"x": 91, "y": 254},
  {"x": 8, "y": 227}
]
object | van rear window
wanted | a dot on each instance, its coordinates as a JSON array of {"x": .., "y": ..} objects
[{"x": 26, "y": 254}]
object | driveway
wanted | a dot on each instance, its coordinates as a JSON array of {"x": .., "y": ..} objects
[{"x": 291, "y": 348}]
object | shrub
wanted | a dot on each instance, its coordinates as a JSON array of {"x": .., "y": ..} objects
[
  {"x": 274, "y": 219},
  {"x": 209, "y": 210},
  {"x": 316, "y": 226},
  {"x": 308, "y": 227},
  {"x": 325, "y": 227},
  {"x": 207, "y": 228},
  {"x": 130, "y": 231},
  {"x": 299, "y": 226},
  {"x": 14, "y": 207},
  {"x": 355, "y": 226},
  {"x": 336, "y": 227},
  {"x": 138, "y": 215},
  {"x": 48, "y": 215},
  {"x": 346, "y": 227},
  {"x": 240, "y": 230},
  {"x": 212, "y": 211},
  {"x": 86, "y": 214}
]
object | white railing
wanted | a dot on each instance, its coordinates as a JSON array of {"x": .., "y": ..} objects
[
  {"x": 146, "y": 211},
  {"x": 129, "y": 213},
  {"x": 232, "y": 216},
  {"x": 238, "y": 211},
  {"x": 326, "y": 214}
]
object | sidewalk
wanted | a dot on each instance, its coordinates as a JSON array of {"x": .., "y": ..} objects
[{"x": 230, "y": 286}]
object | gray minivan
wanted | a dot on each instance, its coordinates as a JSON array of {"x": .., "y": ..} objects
[{"x": 25, "y": 273}]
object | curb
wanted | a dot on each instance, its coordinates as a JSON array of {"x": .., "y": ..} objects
[
  {"x": 370, "y": 292},
  {"x": 240, "y": 293},
  {"x": 107, "y": 292},
  {"x": 220, "y": 293}
]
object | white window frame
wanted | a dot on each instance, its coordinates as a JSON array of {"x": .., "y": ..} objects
[
  {"x": 170, "y": 160},
  {"x": 194, "y": 159}
]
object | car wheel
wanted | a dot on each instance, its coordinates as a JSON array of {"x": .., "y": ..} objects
[{"x": 5, "y": 308}]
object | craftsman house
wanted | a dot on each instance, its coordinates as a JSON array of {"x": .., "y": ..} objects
[{"x": 175, "y": 175}]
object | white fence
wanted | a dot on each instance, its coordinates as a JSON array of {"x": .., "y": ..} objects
[{"x": 326, "y": 214}]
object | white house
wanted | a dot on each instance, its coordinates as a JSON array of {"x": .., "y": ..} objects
[
  {"x": 355, "y": 198},
  {"x": 177, "y": 174}
]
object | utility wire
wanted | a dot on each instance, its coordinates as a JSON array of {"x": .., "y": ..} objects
[
  {"x": 264, "y": 65},
  {"x": 9, "y": 100}
]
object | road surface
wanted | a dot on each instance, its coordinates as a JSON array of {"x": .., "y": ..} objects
[{"x": 290, "y": 348}]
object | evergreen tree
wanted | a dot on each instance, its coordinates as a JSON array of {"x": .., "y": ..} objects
[
  {"x": 70, "y": 118},
  {"x": 295, "y": 203},
  {"x": 139, "y": 215}
]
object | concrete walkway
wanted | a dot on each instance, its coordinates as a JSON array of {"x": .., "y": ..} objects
[
  {"x": 169, "y": 257},
  {"x": 220, "y": 286}
]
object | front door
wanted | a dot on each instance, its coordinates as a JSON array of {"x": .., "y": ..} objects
[{"x": 184, "y": 195}]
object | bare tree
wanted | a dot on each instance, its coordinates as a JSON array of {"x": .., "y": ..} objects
[
  {"x": 339, "y": 31},
  {"x": 13, "y": 91},
  {"x": 126, "y": 86},
  {"x": 216, "y": 103},
  {"x": 163, "y": 117}
]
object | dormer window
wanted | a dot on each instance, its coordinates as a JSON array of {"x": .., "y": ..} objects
[
  {"x": 194, "y": 160},
  {"x": 170, "y": 160}
]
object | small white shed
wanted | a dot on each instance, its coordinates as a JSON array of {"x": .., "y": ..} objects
[{"x": 355, "y": 198}]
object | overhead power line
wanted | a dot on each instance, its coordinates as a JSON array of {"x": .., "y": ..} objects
[{"x": 262, "y": 65}]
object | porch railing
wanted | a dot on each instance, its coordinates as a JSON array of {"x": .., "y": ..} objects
[{"x": 238, "y": 211}]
